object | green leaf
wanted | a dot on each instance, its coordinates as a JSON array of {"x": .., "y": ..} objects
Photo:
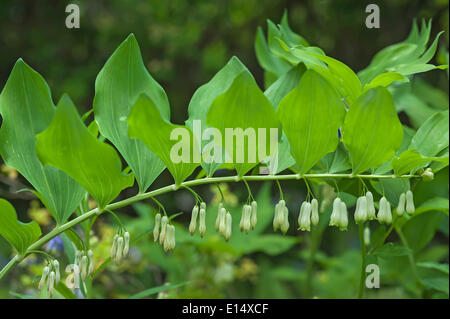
[
  {"x": 275, "y": 93},
  {"x": 439, "y": 284},
  {"x": 19, "y": 235},
  {"x": 436, "y": 203},
  {"x": 432, "y": 137},
  {"x": 420, "y": 229},
  {"x": 203, "y": 98},
  {"x": 390, "y": 250},
  {"x": 243, "y": 107},
  {"x": 411, "y": 160},
  {"x": 68, "y": 145},
  {"x": 147, "y": 124},
  {"x": 155, "y": 290},
  {"x": 340, "y": 75},
  {"x": 337, "y": 161},
  {"x": 385, "y": 79},
  {"x": 432, "y": 265},
  {"x": 27, "y": 108},
  {"x": 117, "y": 87},
  {"x": 372, "y": 131},
  {"x": 311, "y": 115}
]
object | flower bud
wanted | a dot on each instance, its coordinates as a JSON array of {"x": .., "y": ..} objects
[
  {"x": 112, "y": 252},
  {"x": 126, "y": 245},
  {"x": 156, "y": 228},
  {"x": 51, "y": 283},
  {"x": 285, "y": 224},
  {"x": 336, "y": 213},
  {"x": 45, "y": 272},
  {"x": 84, "y": 266},
  {"x": 223, "y": 221},
  {"x": 279, "y": 215},
  {"x": 254, "y": 213},
  {"x": 57, "y": 273},
  {"x": 203, "y": 205},
  {"x": 247, "y": 216},
  {"x": 302, "y": 209},
  {"x": 343, "y": 216},
  {"x": 229, "y": 226},
  {"x": 410, "y": 209},
  {"x": 241, "y": 222},
  {"x": 193, "y": 223},
  {"x": 361, "y": 210},
  {"x": 118, "y": 252},
  {"x": 371, "y": 213},
  {"x": 305, "y": 218},
  {"x": 91, "y": 262},
  {"x": 367, "y": 236},
  {"x": 428, "y": 174},
  {"x": 384, "y": 213},
  {"x": 314, "y": 212},
  {"x": 401, "y": 204},
  {"x": 218, "y": 218},
  {"x": 162, "y": 235},
  {"x": 202, "y": 224}
]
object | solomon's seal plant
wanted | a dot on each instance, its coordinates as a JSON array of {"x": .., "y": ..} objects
[{"x": 335, "y": 129}]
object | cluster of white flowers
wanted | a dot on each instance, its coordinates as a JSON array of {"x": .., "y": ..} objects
[
  {"x": 84, "y": 263},
  {"x": 249, "y": 217},
  {"x": 224, "y": 222},
  {"x": 165, "y": 232},
  {"x": 281, "y": 217},
  {"x": 51, "y": 275},
  {"x": 202, "y": 219},
  {"x": 309, "y": 214},
  {"x": 120, "y": 247},
  {"x": 365, "y": 209}
]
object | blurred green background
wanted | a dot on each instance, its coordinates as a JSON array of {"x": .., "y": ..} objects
[{"x": 184, "y": 43}]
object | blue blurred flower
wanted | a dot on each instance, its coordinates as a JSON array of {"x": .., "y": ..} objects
[{"x": 56, "y": 244}]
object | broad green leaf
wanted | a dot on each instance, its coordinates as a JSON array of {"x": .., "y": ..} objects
[
  {"x": 275, "y": 93},
  {"x": 163, "y": 138},
  {"x": 19, "y": 235},
  {"x": 411, "y": 160},
  {"x": 310, "y": 116},
  {"x": 390, "y": 250},
  {"x": 117, "y": 87},
  {"x": 68, "y": 145},
  {"x": 336, "y": 162},
  {"x": 340, "y": 75},
  {"x": 202, "y": 100},
  {"x": 244, "y": 107},
  {"x": 432, "y": 136},
  {"x": 436, "y": 203},
  {"x": 27, "y": 108},
  {"x": 385, "y": 79},
  {"x": 155, "y": 290},
  {"x": 372, "y": 131}
]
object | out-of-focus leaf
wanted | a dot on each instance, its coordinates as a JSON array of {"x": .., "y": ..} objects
[
  {"x": 117, "y": 87},
  {"x": 68, "y": 145},
  {"x": 203, "y": 98},
  {"x": 27, "y": 109},
  {"x": 390, "y": 250},
  {"x": 311, "y": 115},
  {"x": 432, "y": 265},
  {"x": 420, "y": 229},
  {"x": 155, "y": 290},
  {"x": 19, "y": 235},
  {"x": 439, "y": 284},
  {"x": 147, "y": 124},
  {"x": 437, "y": 203},
  {"x": 244, "y": 107},
  {"x": 372, "y": 131},
  {"x": 432, "y": 137}
]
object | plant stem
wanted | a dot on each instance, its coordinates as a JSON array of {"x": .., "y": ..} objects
[
  {"x": 207, "y": 180},
  {"x": 363, "y": 262}
]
